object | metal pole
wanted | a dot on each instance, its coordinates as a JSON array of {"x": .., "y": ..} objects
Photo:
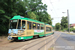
[{"x": 68, "y": 20}]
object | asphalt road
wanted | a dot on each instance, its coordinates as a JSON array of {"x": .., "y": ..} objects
[
  {"x": 64, "y": 42},
  {"x": 57, "y": 41}
]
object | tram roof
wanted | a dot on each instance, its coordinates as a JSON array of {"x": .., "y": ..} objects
[{"x": 22, "y": 18}]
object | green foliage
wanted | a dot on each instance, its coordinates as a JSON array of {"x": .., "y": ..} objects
[
  {"x": 37, "y": 7},
  {"x": 33, "y": 9},
  {"x": 32, "y": 15},
  {"x": 57, "y": 26},
  {"x": 72, "y": 29},
  {"x": 65, "y": 29},
  {"x": 2, "y": 11},
  {"x": 64, "y": 23},
  {"x": 7, "y": 10}
]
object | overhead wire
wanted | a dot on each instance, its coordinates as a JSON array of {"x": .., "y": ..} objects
[
  {"x": 53, "y": 7},
  {"x": 54, "y": 11},
  {"x": 50, "y": 8}
]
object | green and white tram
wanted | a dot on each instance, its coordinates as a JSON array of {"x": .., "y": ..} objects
[{"x": 26, "y": 28}]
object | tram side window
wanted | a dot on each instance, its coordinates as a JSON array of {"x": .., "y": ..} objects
[
  {"x": 48, "y": 29},
  {"x": 23, "y": 25},
  {"x": 34, "y": 25},
  {"x": 42, "y": 27},
  {"x": 38, "y": 26},
  {"x": 29, "y": 25}
]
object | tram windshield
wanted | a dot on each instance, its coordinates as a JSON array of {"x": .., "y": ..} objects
[
  {"x": 17, "y": 24},
  {"x": 13, "y": 24}
]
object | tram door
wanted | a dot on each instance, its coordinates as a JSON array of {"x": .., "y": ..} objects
[{"x": 29, "y": 31}]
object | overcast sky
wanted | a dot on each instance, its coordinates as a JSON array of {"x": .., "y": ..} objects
[{"x": 56, "y": 7}]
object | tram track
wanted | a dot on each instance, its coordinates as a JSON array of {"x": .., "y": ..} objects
[
  {"x": 33, "y": 41},
  {"x": 40, "y": 42},
  {"x": 48, "y": 42},
  {"x": 11, "y": 42},
  {"x": 27, "y": 42},
  {"x": 35, "y": 44}
]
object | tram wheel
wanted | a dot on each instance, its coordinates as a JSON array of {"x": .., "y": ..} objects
[{"x": 35, "y": 37}]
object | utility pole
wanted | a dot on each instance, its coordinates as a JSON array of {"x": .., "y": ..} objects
[{"x": 68, "y": 20}]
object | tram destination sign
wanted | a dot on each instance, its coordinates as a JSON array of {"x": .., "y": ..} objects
[{"x": 14, "y": 20}]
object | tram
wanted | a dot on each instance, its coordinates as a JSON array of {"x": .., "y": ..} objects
[{"x": 21, "y": 28}]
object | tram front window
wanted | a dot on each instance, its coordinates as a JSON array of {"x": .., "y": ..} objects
[
  {"x": 19, "y": 25},
  {"x": 13, "y": 24}
]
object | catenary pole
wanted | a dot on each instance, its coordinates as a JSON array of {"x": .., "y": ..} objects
[{"x": 68, "y": 20}]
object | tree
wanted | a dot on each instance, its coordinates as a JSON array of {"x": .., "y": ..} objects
[
  {"x": 39, "y": 9},
  {"x": 64, "y": 23},
  {"x": 57, "y": 26},
  {"x": 8, "y": 9},
  {"x": 33, "y": 9},
  {"x": 31, "y": 15}
]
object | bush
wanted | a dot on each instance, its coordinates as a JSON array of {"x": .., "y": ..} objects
[
  {"x": 65, "y": 29},
  {"x": 72, "y": 29}
]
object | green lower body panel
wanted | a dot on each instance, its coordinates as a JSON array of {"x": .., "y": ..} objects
[
  {"x": 41, "y": 35},
  {"x": 48, "y": 34},
  {"x": 25, "y": 37},
  {"x": 36, "y": 33}
]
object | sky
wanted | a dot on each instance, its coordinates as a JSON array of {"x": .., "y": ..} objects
[{"x": 56, "y": 7}]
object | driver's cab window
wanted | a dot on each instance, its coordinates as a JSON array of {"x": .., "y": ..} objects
[{"x": 23, "y": 25}]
